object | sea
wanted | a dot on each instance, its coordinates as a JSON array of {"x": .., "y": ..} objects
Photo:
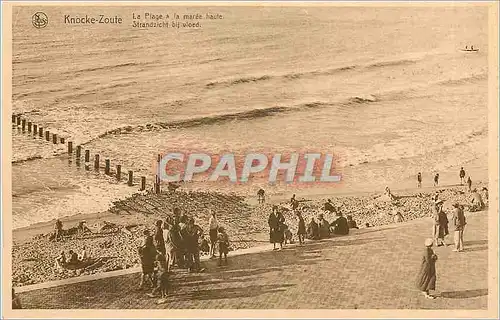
[{"x": 388, "y": 90}]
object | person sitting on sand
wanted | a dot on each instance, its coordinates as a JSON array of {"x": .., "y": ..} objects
[
  {"x": 461, "y": 174},
  {"x": 484, "y": 192},
  {"x": 60, "y": 261},
  {"x": 324, "y": 227},
  {"x": 340, "y": 226},
  {"x": 351, "y": 223},
  {"x": 477, "y": 203},
  {"x": 419, "y": 180},
  {"x": 83, "y": 255},
  {"x": 313, "y": 230},
  {"x": 261, "y": 195},
  {"x": 329, "y": 206},
  {"x": 436, "y": 180},
  {"x": 223, "y": 240},
  {"x": 301, "y": 228},
  {"x": 469, "y": 184},
  {"x": 73, "y": 258}
]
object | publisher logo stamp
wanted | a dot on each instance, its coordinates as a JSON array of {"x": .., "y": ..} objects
[{"x": 40, "y": 20}]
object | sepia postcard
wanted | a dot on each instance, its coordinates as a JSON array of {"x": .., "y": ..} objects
[{"x": 250, "y": 160}]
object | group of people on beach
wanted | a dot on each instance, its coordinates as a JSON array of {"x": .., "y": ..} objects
[
  {"x": 461, "y": 174},
  {"x": 178, "y": 242},
  {"x": 279, "y": 232},
  {"x": 73, "y": 259}
]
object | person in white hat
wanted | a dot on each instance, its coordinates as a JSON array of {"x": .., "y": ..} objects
[{"x": 426, "y": 278}]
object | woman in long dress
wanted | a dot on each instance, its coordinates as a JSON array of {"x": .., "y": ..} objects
[
  {"x": 273, "y": 227},
  {"x": 426, "y": 279}
]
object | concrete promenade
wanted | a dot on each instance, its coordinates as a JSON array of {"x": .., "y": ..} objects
[{"x": 372, "y": 268}]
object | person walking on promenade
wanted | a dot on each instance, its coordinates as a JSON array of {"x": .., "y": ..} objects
[
  {"x": 436, "y": 180},
  {"x": 274, "y": 222},
  {"x": 159, "y": 239},
  {"x": 462, "y": 176},
  {"x": 193, "y": 247},
  {"x": 162, "y": 284},
  {"x": 301, "y": 230},
  {"x": 213, "y": 227},
  {"x": 459, "y": 223},
  {"x": 147, "y": 254},
  {"x": 16, "y": 303},
  {"x": 419, "y": 180},
  {"x": 223, "y": 239},
  {"x": 426, "y": 278},
  {"x": 440, "y": 224},
  {"x": 469, "y": 184}
]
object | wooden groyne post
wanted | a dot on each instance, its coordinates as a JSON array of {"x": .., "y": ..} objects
[
  {"x": 63, "y": 140},
  {"x": 18, "y": 121},
  {"x": 143, "y": 183},
  {"x": 29, "y": 126},
  {"x": 70, "y": 147},
  {"x": 47, "y": 135},
  {"x": 96, "y": 162},
  {"x": 130, "y": 178},
  {"x": 14, "y": 118},
  {"x": 35, "y": 129},
  {"x": 78, "y": 151},
  {"x": 118, "y": 172},
  {"x": 87, "y": 155},
  {"x": 107, "y": 169},
  {"x": 54, "y": 138},
  {"x": 24, "y": 125}
]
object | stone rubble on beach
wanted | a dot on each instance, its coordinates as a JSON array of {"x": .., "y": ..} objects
[{"x": 116, "y": 245}]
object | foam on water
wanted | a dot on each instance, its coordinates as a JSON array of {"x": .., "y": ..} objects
[{"x": 389, "y": 96}]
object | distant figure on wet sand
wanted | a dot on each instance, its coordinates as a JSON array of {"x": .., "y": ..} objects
[
  {"x": 261, "y": 196},
  {"x": 58, "y": 230},
  {"x": 313, "y": 230},
  {"x": 329, "y": 206},
  {"x": 436, "y": 180},
  {"x": 477, "y": 203},
  {"x": 340, "y": 225},
  {"x": 469, "y": 184},
  {"x": 426, "y": 278},
  {"x": 459, "y": 223},
  {"x": 213, "y": 227},
  {"x": 351, "y": 223},
  {"x": 419, "y": 180},
  {"x": 462, "y": 176},
  {"x": 301, "y": 230}
]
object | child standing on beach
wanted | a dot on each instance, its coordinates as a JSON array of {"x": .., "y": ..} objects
[
  {"x": 426, "y": 279},
  {"x": 223, "y": 239}
]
